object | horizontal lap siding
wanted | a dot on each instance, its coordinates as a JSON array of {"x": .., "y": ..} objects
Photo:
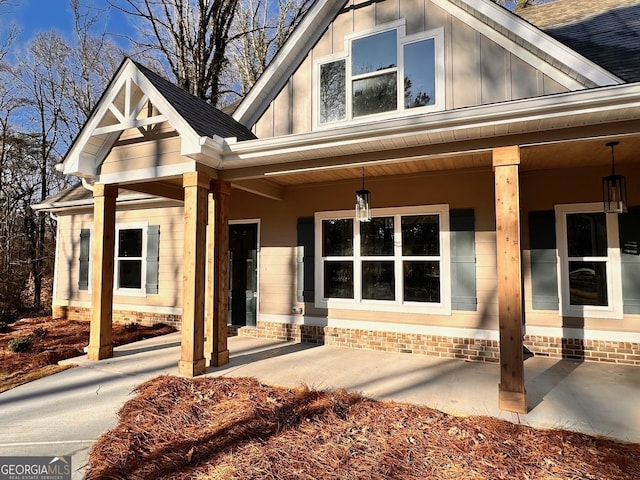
[
  {"x": 278, "y": 253},
  {"x": 581, "y": 185},
  {"x": 170, "y": 220},
  {"x": 145, "y": 155},
  {"x": 277, "y": 279}
]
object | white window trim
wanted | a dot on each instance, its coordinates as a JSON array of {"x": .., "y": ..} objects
[
  {"x": 397, "y": 305},
  {"x": 614, "y": 270},
  {"x": 436, "y": 34},
  {"x": 132, "y": 292}
]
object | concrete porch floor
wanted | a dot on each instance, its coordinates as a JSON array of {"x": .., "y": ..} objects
[{"x": 65, "y": 413}]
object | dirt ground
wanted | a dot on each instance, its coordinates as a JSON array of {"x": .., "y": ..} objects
[
  {"x": 223, "y": 428},
  {"x": 55, "y": 340}
]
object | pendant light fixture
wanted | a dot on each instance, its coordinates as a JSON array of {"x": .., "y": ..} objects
[
  {"x": 614, "y": 188},
  {"x": 363, "y": 203}
]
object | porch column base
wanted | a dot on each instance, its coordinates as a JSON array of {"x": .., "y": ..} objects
[
  {"x": 217, "y": 359},
  {"x": 188, "y": 369},
  {"x": 100, "y": 353},
  {"x": 512, "y": 401}
]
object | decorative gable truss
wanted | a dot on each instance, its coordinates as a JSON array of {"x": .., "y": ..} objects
[{"x": 132, "y": 109}]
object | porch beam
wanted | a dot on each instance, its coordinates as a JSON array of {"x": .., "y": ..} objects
[
  {"x": 104, "y": 232},
  {"x": 196, "y": 188},
  {"x": 217, "y": 350},
  {"x": 512, "y": 396},
  {"x": 158, "y": 188},
  {"x": 264, "y": 188}
]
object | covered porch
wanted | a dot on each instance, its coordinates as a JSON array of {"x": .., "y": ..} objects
[{"x": 138, "y": 141}]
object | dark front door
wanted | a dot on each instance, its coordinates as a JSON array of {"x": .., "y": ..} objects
[{"x": 243, "y": 273}]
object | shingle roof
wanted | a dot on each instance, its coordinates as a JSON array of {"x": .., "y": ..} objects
[
  {"x": 606, "y": 32},
  {"x": 77, "y": 195},
  {"x": 204, "y": 118}
]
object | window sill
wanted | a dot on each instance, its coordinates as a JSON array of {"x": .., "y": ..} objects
[{"x": 383, "y": 306}]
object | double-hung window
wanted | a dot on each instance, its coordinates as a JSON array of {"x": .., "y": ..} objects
[
  {"x": 382, "y": 71},
  {"x": 130, "y": 258},
  {"x": 589, "y": 252},
  {"x": 399, "y": 261}
]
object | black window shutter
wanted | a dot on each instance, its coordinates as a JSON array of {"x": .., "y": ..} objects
[
  {"x": 629, "y": 228},
  {"x": 305, "y": 260},
  {"x": 153, "y": 258},
  {"x": 83, "y": 277},
  {"x": 463, "y": 260},
  {"x": 544, "y": 260}
]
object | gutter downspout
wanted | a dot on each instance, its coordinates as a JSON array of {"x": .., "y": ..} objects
[{"x": 86, "y": 184}]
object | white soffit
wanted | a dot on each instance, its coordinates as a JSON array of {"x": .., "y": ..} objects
[{"x": 533, "y": 36}]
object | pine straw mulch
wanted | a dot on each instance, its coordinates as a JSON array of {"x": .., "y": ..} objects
[
  {"x": 58, "y": 340},
  {"x": 224, "y": 428}
]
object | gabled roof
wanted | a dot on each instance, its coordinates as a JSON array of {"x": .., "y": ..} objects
[
  {"x": 605, "y": 31},
  {"x": 200, "y": 126},
  {"x": 498, "y": 23}
]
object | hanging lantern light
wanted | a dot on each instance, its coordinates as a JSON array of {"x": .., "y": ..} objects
[
  {"x": 363, "y": 202},
  {"x": 614, "y": 188}
]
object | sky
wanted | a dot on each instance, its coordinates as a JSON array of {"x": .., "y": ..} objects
[{"x": 33, "y": 16}]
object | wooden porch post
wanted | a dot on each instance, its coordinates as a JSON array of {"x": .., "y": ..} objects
[
  {"x": 104, "y": 232},
  {"x": 196, "y": 187},
  {"x": 217, "y": 351},
  {"x": 512, "y": 395}
]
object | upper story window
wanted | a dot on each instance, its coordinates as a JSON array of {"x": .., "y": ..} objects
[{"x": 383, "y": 72}]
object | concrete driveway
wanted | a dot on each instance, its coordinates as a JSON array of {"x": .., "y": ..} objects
[{"x": 65, "y": 413}]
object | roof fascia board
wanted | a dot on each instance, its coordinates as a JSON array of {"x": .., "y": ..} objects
[
  {"x": 287, "y": 60},
  {"x": 204, "y": 149},
  {"x": 542, "y": 41},
  {"x": 605, "y": 99},
  {"x": 132, "y": 200},
  {"x": 526, "y": 55},
  {"x": 75, "y": 162},
  {"x": 80, "y": 164}
]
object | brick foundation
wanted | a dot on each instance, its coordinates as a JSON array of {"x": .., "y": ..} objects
[
  {"x": 285, "y": 332},
  {"x": 469, "y": 349},
  {"x": 605, "y": 351},
  {"x": 119, "y": 316}
]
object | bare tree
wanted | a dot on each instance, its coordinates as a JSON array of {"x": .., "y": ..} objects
[
  {"x": 6, "y": 37},
  {"x": 262, "y": 28},
  {"x": 92, "y": 61},
  {"x": 190, "y": 36},
  {"x": 42, "y": 75},
  {"x": 519, "y": 4}
]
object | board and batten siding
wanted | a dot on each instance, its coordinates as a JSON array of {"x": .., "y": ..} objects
[{"x": 478, "y": 71}]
